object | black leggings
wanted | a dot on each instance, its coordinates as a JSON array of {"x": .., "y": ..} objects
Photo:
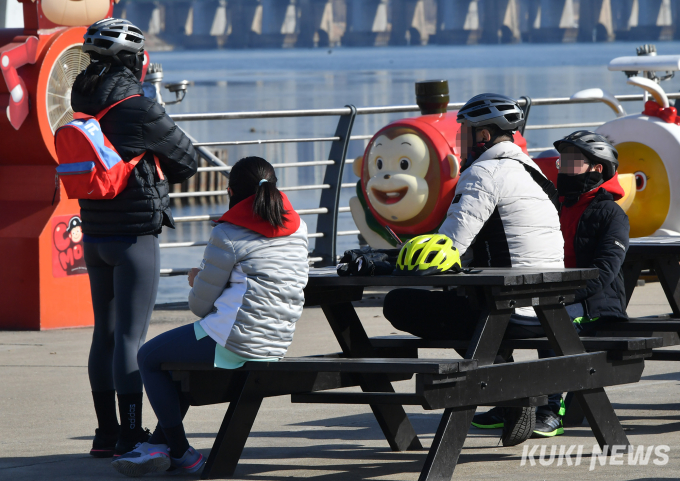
[{"x": 123, "y": 281}]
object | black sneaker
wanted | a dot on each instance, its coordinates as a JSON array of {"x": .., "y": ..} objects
[
  {"x": 492, "y": 419},
  {"x": 126, "y": 445},
  {"x": 518, "y": 425},
  {"x": 548, "y": 424},
  {"x": 103, "y": 444}
]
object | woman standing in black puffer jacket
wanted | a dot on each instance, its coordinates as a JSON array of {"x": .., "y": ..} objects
[{"x": 121, "y": 234}]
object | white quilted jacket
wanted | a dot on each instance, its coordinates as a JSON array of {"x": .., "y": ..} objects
[
  {"x": 501, "y": 217},
  {"x": 250, "y": 289}
]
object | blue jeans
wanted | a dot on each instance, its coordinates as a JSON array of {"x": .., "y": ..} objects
[{"x": 176, "y": 345}]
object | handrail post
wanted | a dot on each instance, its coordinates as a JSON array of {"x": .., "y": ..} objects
[
  {"x": 207, "y": 155},
  {"x": 325, "y": 246},
  {"x": 526, "y": 108}
]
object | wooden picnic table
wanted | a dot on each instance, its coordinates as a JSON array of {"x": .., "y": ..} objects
[
  {"x": 458, "y": 386},
  {"x": 662, "y": 254}
]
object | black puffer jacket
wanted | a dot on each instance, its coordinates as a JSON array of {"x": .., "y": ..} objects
[
  {"x": 602, "y": 241},
  {"x": 137, "y": 125}
]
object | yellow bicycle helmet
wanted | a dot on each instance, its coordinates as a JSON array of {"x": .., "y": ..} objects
[{"x": 428, "y": 254}]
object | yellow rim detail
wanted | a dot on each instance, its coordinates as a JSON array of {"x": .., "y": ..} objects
[{"x": 651, "y": 204}]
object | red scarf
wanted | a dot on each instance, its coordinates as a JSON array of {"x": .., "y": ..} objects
[
  {"x": 570, "y": 216},
  {"x": 242, "y": 215}
]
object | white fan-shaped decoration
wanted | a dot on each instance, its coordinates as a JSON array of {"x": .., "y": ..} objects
[{"x": 70, "y": 63}]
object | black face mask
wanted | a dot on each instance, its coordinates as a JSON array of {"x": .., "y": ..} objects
[{"x": 572, "y": 186}]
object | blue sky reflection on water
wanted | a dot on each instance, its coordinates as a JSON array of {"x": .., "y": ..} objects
[{"x": 250, "y": 80}]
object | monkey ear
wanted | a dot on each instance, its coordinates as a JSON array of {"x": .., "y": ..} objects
[
  {"x": 358, "y": 165},
  {"x": 454, "y": 165}
]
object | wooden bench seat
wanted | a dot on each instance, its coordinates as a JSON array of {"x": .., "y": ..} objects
[
  {"x": 341, "y": 364},
  {"x": 205, "y": 384},
  {"x": 617, "y": 347},
  {"x": 646, "y": 324},
  {"x": 439, "y": 383},
  {"x": 665, "y": 327}
]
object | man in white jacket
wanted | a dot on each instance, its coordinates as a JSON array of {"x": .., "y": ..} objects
[{"x": 503, "y": 214}]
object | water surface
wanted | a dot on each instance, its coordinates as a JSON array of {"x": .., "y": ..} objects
[{"x": 250, "y": 80}]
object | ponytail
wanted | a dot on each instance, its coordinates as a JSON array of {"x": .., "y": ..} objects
[
  {"x": 255, "y": 176},
  {"x": 269, "y": 204},
  {"x": 88, "y": 80}
]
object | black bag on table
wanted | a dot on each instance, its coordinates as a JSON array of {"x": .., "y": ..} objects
[{"x": 368, "y": 262}]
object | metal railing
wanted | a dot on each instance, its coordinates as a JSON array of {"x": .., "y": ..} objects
[{"x": 325, "y": 252}]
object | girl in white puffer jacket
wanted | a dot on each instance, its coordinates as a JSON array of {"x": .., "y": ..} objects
[{"x": 249, "y": 293}]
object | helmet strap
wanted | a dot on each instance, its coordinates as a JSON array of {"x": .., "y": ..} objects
[{"x": 479, "y": 148}]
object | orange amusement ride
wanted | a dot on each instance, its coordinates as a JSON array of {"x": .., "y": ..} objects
[{"x": 44, "y": 284}]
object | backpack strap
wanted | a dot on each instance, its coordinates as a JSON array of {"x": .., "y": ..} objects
[
  {"x": 545, "y": 184},
  {"x": 106, "y": 110},
  {"x": 134, "y": 161}
]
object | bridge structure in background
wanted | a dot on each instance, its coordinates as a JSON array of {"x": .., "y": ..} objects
[{"x": 328, "y": 23}]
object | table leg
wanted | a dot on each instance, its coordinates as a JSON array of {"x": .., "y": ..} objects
[
  {"x": 668, "y": 270},
  {"x": 631, "y": 274},
  {"x": 447, "y": 444},
  {"x": 595, "y": 403},
  {"x": 354, "y": 342},
  {"x": 234, "y": 431},
  {"x": 486, "y": 341},
  {"x": 455, "y": 423},
  {"x": 602, "y": 418}
]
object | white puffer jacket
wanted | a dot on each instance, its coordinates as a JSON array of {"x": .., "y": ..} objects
[
  {"x": 250, "y": 290},
  {"x": 502, "y": 216}
]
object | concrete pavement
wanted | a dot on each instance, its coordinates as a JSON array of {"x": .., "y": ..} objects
[{"x": 47, "y": 420}]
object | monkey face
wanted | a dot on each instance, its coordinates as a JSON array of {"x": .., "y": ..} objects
[
  {"x": 397, "y": 188},
  {"x": 75, "y": 12},
  {"x": 409, "y": 173}
]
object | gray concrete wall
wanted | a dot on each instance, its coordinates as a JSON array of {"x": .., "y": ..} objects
[
  {"x": 324, "y": 23},
  {"x": 595, "y": 21},
  {"x": 367, "y": 23},
  {"x": 316, "y": 24},
  {"x": 458, "y": 22}
]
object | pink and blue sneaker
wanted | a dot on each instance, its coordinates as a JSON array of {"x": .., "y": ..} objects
[
  {"x": 190, "y": 462},
  {"x": 145, "y": 458}
]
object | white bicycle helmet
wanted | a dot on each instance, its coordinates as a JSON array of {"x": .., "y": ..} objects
[
  {"x": 111, "y": 36},
  {"x": 496, "y": 109}
]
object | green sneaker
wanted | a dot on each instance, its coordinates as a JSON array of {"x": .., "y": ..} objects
[
  {"x": 548, "y": 424},
  {"x": 492, "y": 419}
]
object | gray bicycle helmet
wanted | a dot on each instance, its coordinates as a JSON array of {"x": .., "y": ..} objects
[
  {"x": 496, "y": 109},
  {"x": 596, "y": 148},
  {"x": 111, "y": 36}
]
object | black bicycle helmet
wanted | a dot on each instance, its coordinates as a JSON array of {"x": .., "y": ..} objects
[
  {"x": 111, "y": 36},
  {"x": 596, "y": 148},
  {"x": 496, "y": 109}
]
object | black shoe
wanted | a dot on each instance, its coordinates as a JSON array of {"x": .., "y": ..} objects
[
  {"x": 548, "y": 424},
  {"x": 126, "y": 445},
  {"x": 492, "y": 419},
  {"x": 103, "y": 444},
  {"x": 518, "y": 425}
]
